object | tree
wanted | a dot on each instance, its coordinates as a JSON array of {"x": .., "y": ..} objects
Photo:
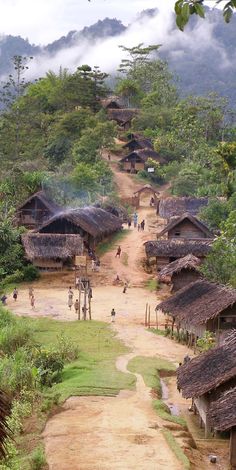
[{"x": 185, "y": 8}]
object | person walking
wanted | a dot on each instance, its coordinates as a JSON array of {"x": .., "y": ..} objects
[
  {"x": 93, "y": 264},
  {"x": 32, "y": 301},
  {"x": 15, "y": 294},
  {"x": 142, "y": 224},
  {"x": 118, "y": 252},
  {"x": 4, "y": 299},
  {"x": 31, "y": 292},
  {"x": 113, "y": 314},
  {"x": 135, "y": 219},
  {"x": 70, "y": 297},
  {"x": 77, "y": 309},
  {"x": 129, "y": 223},
  {"x": 125, "y": 287}
]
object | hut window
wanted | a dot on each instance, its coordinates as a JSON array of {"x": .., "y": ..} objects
[{"x": 177, "y": 234}]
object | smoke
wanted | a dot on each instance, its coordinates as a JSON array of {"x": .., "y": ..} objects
[{"x": 158, "y": 29}]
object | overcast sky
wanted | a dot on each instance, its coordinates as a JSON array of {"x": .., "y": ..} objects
[{"x": 42, "y": 21}]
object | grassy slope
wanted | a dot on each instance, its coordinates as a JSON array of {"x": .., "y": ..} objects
[
  {"x": 148, "y": 367},
  {"x": 94, "y": 372}
]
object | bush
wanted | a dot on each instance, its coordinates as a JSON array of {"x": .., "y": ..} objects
[
  {"x": 16, "y": 372},
  {"x": 6, "y": 317},
  {"x": 14, "y": 336},
  {"x": 12, "y": 278},
  {"x": 67, "y": 350},
  {"x": 30, "y": 273},
  {"x": 50, "y": 366},
  {"x": 38, "y": 459}
]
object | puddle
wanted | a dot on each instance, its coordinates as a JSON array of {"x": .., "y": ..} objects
[{"x": 174, "y": 410}]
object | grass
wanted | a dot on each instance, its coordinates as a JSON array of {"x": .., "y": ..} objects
[
  {"x": 176, "y": 449},
  {"x": 94, "y": 372},
  {"x": 108, "y": 245},
  {"x": 164, "y": 413},
  {"x": 148, "y": 367},
  {"x": 157, "y": 332},
  {"x": 152, "y": 285}
]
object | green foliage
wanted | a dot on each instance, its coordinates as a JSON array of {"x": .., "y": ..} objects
[
  {"x": 30, "y": 273},
  {"x": 214, "y": 213},
  {"x": 149, "y": 367},
  {"x": 67, "y": 349},
  {"x": 15, "y": 335},
  {"x": 185, "y": 8},
  {"x": 38, "y": 459},
  {"x": 208, "y": 341},
  {"x": 49, "y": 366}
]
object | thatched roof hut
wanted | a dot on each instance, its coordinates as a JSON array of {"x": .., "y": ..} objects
[
  {"x": 5, "y": 408},
  {"x": 123, "y": 117},
  {"x": 181, "y": 272},
  {"x": 142, "y": 155},
  {"x": 208, "y": 371},
  {"x": 176, "y": 206},
  {"x": 51, "y": 246},
  {"x": 202, "y": 305},
  {"x": 36, "y": 209},
  {"x": 186, "y": 226},
  {"x": 177, "y": 248},
  {"x": 113, "y": 102},
  {"x": 222, "y": 412},
  {"x": 92, "y": 223},
  {"x": 138, "y": 144}
]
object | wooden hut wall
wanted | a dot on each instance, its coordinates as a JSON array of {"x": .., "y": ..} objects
[
  {"x": 162, "y": 261},
  {"x": 184, "y": 277},
  {"x": 186, "y": 230},
  {"x": 45, "y": 263},
  {"x": 202, "y": 405},
  {"x": 33, "y": 213},
  {"x": 64, "y": 226},
  {"x": 233, "y": 448}
]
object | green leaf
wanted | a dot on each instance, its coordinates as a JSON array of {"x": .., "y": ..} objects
[
  {"x": 200, "y": 10},
  {"x": 180, "y": 23},
  {"x": 228, "y": 14},
  {"x": 185, "y": 12},
  {"x": 178, "y": 7}
]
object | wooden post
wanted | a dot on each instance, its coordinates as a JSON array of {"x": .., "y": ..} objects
[
  {"x": 156, "y": 320},
  {"x": 146, "y": 314},
  {"x": 79, "y": 300},
  {"x": 90, "y": 317},
  {"x": 149, "y": 316},
  {"x": 85, "y": 303}
]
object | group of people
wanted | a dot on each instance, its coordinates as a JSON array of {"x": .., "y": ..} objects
[
  {"x": 140, "y": 226},
  {"x": 76, "y": 303},
  {"x": 15, "y": 296}
]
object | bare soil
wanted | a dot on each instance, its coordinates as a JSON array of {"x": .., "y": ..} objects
[{"x": 123, "y": 432}]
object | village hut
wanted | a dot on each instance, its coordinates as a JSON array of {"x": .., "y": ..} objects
[
  {"x": 180, "y": 273},
  {"x": 36, "y": 210},
  {"x": 147, "y": 190},
  {"x": 199, "y": 307},
  {"x": 5, "y": 408},
  {"x": 123, "y": 117},
  {"x": 93, "y": 224},
  {"x": 113, "y": 102},
  {"x": 137, "y": 160},
  {"x": 138, "y": 144},
  {"x": 186, "y": 226},
  {"x": 222, "y": 417},
  {"x": 206, "y": 379},
  {"x": 176, "y": 206},
  {"x": 51, "y": 251},
  {"x": 163, "y": 252}
]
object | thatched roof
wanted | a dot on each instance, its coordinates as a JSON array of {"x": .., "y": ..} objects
[
  {"x": 222, "y": 412},
  {"x": 44, "y": 245},
  {"x": 189, "y": 262},
  {"x": 209, "y": 370},
  {"x": 141, "y": 143},
  {"x": 176, "y": 206},
  {"x": 92, "y": 220},
  {"x": 122, "y": 116},
  {"x": 143, "y": 155},
  {"x": 189, "y": 217},
  {"x": 52, "y": 206},
  {"x": 147, "y": 187},
  {"x": 178, "y": 248},
  {"x": 113, "y": 102},
  {"x": 5, "y": 407},
  {"x": 199, "y": 302}
]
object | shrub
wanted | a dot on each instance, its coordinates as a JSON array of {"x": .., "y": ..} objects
[
  {"x": 6, "y": 317},
  {"x": 14, "y": 336},
  {"x": 31, "y": 273},
  {"x": 49, "y": 365},
  {"x": 16, "y": 372},
  {"x": 67, "y": 350},
  {"x": 38, "y": 459}
]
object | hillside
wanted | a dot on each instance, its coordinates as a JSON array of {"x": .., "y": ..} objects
[{"x": 203, "y": 58}]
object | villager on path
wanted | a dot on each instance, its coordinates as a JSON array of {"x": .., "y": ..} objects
[
  {"x": 135, "y": 218},
  {"x": 70, "y": 297},
  {"x": 118, "y": 252},
  {"x": 93, "y": 265},
  {"x": 15, "y": 294},
  {"x": 142, "y": 225},
  {"x": 76, "y": 306},
  {"x": 113, "y": 314},
  {"x": 31, "y": 292},
  {"x": 32, "y": 301},
  {"x": 4, "y": 299},
  {"x": 125, "y": 287}
]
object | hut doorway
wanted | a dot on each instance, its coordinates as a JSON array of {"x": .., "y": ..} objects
[{"x": 147, "y": 196}]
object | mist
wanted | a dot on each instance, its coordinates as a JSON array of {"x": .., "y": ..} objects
[{"x": 159, "y": 29}]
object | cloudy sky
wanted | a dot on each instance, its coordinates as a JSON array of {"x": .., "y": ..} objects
[{"x": 42, "y": 21}]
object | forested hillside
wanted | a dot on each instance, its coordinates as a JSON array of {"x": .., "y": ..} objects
[{"x": 203, "y": 58}]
